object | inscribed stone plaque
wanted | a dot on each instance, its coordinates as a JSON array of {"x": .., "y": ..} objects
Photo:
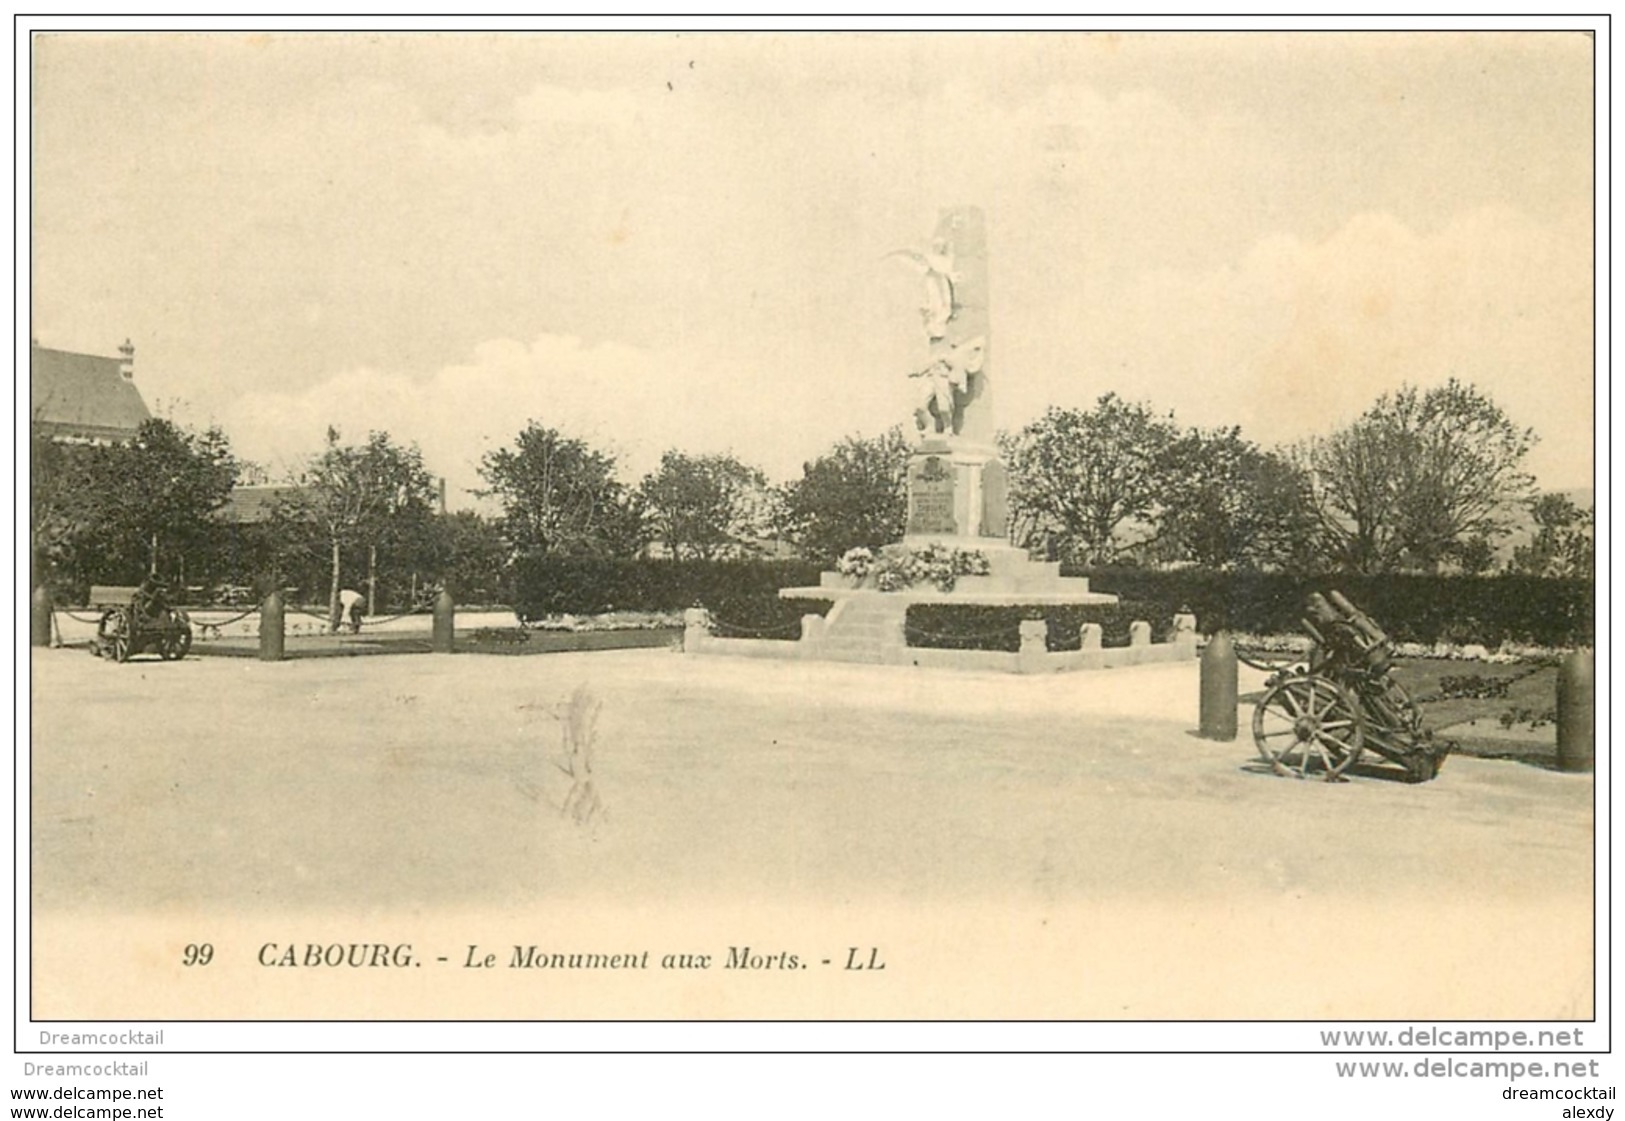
[{"x": 931, "y": 497}]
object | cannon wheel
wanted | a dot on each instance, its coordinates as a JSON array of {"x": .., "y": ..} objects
[
  {"x": 175, "y": 646},
  {"x": 113, "y": 636},
  {"x": 1308, "y": 724}
]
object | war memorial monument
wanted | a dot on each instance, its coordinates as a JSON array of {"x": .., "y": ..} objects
[{"x": 958, "y": 509}]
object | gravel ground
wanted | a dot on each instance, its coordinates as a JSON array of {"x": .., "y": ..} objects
[{"x": 1074, "y": 821}]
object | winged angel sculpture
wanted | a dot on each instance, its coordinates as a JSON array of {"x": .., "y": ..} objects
[
  {"x": 937, "y": 269},
  {"x": 947, "y": 375}
]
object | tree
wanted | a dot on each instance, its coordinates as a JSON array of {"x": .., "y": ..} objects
[
  {"x": 63, "y": 507},
  {"x": 1563, "y": 544},
  {"x": 360, "y": 496},
  {"x": 120, "y": 511},
  {"x": 173, "y": 481},
  {"x": 854, "y": 494},
  {"x": 1079, "y": 477},
  {"x": 705, "y": 506},
  {"x": 560, "y": 496},
  {"x": 467, "y": 552},
  {"x": 1417, "y": 477},
  {"x": 1225, "y": 503}
]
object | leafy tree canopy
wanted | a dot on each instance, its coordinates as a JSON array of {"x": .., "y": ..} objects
[
  {"x": 854, "y": 494},
  {"x": 1223, "y": 502},
  {"x": 373, "y": 494},
  {"x": 1079, "y": 477},
  {"x": 1564, "y": 543},
  {"x": 1417, "y": 478},
  {"x": 561, "y": 496},
  {"x": 705, "y": 506},
  {"x": 116, "y": 512}
]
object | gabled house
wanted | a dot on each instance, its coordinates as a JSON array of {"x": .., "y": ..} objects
[{"x": 85, "y": 398}]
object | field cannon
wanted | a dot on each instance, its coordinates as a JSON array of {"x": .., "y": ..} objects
[
  {"x": 1319, "y": 717},
  {"x": 138, "y": 620}
]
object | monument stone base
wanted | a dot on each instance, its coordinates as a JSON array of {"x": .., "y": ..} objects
[{"x": 957, "y": 499}]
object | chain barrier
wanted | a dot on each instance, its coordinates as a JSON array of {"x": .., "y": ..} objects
[
  {"x": 211, "y": 628},
  {"x": 425, "y": 607},
  {"x": 310, "y": 614},
  {"x": 216, "y": 624},
  {"x": 202, "y": 623},
  {"x": 1258, "y": 662},
  {"x": 756, "y": 632}
]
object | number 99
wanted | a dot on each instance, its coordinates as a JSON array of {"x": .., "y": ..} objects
[{"x": 197, "y": 953}]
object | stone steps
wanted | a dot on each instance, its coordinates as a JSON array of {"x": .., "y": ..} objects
[{"x": 862, "y": 630}]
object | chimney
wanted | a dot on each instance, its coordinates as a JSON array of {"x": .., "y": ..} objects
[{"x": 126, "y": 362}]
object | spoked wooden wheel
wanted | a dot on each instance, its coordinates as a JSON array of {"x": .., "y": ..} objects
[
  {"x": 1307, "y": 725},
  {"x": 113, "y": 637},
  {"x": 176, "y": 645}
]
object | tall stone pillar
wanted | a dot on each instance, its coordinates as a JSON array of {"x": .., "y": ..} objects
[{"x": 963, "y": 231}]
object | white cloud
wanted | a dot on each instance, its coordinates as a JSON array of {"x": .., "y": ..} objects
[
  {"x": 1297, "y": 337},
  {"x": 634, "y": 402}
]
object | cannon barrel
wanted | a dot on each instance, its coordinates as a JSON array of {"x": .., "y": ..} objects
[{"x": 1361, "y": 621}]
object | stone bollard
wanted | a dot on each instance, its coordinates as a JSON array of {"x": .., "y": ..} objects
[
  {"x": 271, "y": 627},
  {"x": 1218, "y": 690},
  {"x": 696, "y": 629},
  {"x": 812, "y": 635},
  {"x": 1034, "y": 645},
  {"x": 445, "y": 619},
  {"x": 1185, "y": 633},
  {"x": 1576, "y": 730},
  {"x": 1090, "y": 653},
  {"x": 39, "y": 617},
  {"x": 1139, "y": 643}
]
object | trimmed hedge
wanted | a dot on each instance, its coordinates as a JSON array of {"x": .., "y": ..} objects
[
  {"x": 1488, "y": 610},
  {"x": 742, "y": 596},
  {"x": 947, "y": 626},
  {"x": 743, "y": 599}
]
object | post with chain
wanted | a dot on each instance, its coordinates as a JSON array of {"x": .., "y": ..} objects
[
  {"x": 39, "y": 617},
  {"x": 271, "y": 627},
  {"x": 444, "y": 618},
  {"x": 1218, "y": 688},
  {"x": 1576, "y": 732}
]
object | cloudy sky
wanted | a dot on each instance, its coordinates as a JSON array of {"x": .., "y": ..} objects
[{"x": 660, "y": 240}]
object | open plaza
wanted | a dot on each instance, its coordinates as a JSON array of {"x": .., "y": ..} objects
[{"x": 1050, "y": 846}]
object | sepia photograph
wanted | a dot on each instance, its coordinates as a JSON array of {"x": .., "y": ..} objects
[{"x": 932, "y": 527}]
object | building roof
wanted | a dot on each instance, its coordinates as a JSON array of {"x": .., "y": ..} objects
[
  {"x": 253, "y": 504},
  {"x": 83, "y": 396}
]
